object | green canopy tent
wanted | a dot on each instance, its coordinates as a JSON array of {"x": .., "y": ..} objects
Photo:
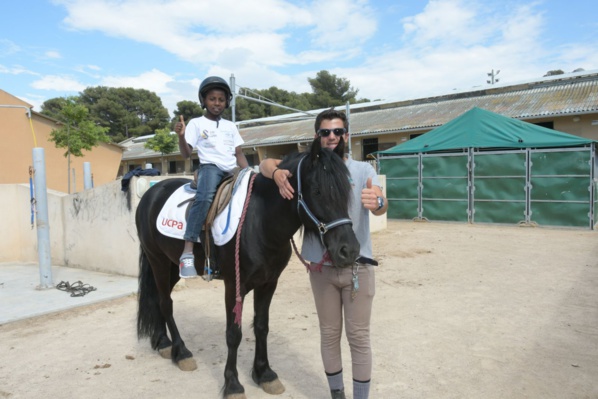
[{"x": 485, "y": 167}]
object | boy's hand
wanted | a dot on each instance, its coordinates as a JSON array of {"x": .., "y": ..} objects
[{"x": 179, "y": 127}]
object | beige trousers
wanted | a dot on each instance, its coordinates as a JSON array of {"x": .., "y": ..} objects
[{"x": 332, "y": 289}]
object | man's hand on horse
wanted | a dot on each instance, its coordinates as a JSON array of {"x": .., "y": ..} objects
[{"x": 281, "y": 178}]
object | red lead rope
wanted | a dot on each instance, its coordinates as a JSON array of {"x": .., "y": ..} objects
[
  {"x": 238, "y": 309},
  {"x": 308, "y": 266}
]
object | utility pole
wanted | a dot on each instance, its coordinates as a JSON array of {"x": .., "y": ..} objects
[{"x": 493, "y": 78}]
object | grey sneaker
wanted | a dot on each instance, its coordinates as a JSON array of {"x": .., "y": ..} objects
[{"x": 187, "y": 266}]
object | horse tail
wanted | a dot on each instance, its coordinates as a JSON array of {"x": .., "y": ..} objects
[{"x": 148, "y": 311}]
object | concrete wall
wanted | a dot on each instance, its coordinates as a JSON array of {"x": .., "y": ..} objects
[
  {"x": 19, "y": 237},
  {"x": 92, "y": 230},
  {"x": 100, "y": 231}
]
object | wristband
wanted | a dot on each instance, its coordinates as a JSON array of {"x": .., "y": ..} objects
[{"x": 274, "y": 172}]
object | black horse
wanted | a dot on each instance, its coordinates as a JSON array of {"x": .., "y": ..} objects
[{"x": 322, "y": 191}]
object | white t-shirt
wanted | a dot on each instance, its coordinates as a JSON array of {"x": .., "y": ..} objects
[{"x": 215, "y": 141}]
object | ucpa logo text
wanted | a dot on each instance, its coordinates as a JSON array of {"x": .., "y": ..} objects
[{"x": 172, "y": 223}]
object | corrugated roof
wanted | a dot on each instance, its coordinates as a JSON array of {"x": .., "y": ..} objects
[{"x": 574, "y": 94}]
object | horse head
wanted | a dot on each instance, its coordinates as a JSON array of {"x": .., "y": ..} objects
[{"x": 323, "y": 196}]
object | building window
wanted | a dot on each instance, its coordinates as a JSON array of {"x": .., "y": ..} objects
[
  {"x": 549, "y": 125},
  {"x": 368, "y": 146},
  {"x": 176, "y": 167},
  {"x": 252, "y": 159}
]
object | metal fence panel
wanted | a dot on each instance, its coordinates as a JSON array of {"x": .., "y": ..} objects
[
  {"x": 402, "y": 186},
  {"x": 444, "y": 187},
  {"x": 552, "y": 187},
  {"x": 499, "y": 187},
  {"x": 560, "y": 187}
]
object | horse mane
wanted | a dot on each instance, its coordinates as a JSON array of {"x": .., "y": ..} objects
[{"x": 328, "y": 175}]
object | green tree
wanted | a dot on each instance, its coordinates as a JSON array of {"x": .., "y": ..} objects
[
  {"x": 78, "y": 132},
  {"x": 163, "y": 142},
  {"x": 189, "y": 110},
  {"x": 125, "y": 111},
  {"x": 248, "y": 109},
  {"x": 53, "y": 108},
  {"x": 330, "y": 90}
]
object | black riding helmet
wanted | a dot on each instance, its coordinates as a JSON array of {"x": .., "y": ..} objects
[{"x": 214, "y": 82}]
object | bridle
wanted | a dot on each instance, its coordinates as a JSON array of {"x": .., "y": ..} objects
[{"x": 322, "y": 227}]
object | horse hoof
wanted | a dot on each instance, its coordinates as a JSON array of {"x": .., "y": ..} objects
[
  {"x": 187, "y": 364},
  {"x": 166, "y": 353},
  {"x": 273, "y": 387}
]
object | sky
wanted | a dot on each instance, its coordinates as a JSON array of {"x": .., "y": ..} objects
[{"x": 388, "y": 50}]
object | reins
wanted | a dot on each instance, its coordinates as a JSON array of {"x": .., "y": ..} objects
[{"x": 307, "y": 265}]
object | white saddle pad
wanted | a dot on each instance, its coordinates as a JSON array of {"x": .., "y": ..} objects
[{"x": 171, "y": 220}]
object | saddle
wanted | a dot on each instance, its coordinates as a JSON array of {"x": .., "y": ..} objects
[{"x": 223, "y": 196}]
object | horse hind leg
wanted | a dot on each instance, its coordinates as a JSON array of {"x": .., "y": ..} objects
[
  {"x": 164, "y": 347},
  {"x": 178, "y": 352},
  {"x": 159, "y": 306},
  {"x": 150, "y": 321}
]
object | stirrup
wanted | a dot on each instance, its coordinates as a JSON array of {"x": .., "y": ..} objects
[{"x": 208, "y": 272}]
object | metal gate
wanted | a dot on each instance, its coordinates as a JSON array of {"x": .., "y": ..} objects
[{"x": 555, "y": 187}]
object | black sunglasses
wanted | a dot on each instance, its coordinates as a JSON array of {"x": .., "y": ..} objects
[{"x": 339, "y": 131}]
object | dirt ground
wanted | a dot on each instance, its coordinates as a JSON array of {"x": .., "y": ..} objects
[{"x": 461, "y": 311}]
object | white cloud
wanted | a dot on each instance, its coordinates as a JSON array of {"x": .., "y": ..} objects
[
  {"x": 230, "y": 32},
  {"x": 445, "y": 21},
  {"x": 154, "y": 80},
  {"x": 342, "y": 23},
  {"x": 53, "y": 54},
  {"x": 16, "y": 70},
  {"x": 58, "y": 83},
  {"x": 443, "y": 45},
  {"x": 8, "y": 47}
]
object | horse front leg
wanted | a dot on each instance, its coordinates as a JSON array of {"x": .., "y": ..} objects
[
  {"x": 233, "y": 389},
  {"x": 262, "y": 374}
]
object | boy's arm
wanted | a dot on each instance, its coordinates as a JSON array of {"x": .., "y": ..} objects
[
  {"x": 241, "y": 159},
  {"x": 184, "y": 147}
]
